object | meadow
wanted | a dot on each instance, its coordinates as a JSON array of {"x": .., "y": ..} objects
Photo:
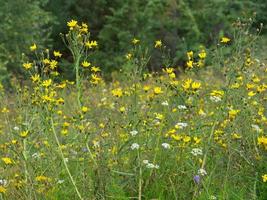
[{"x": 196, "y": 131}]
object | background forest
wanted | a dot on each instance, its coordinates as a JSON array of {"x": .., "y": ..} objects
[{"x": 181, "y": 24}]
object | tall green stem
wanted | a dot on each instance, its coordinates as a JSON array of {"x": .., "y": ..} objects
[
  {"x": 64, "y": 160},
  {"x": 78, "y": 80}
]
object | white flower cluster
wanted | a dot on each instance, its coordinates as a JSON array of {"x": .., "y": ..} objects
[
  {"x": 256, "y": 128},
  {"x": 215, "y": 99},
  {"x": 36, "y": 155},
  {"x": 166, "y": 145},
  {"x": 3, "y": 182},
  {"x": 16, "y": 128},
  {"x": 202, "y": 172},
  {"x": 197, "y": 152},
  {"x": 133, "y": 132},
  {"x": 135, "y": 146},
  {"x": 165, "y": 103},
  {"x": 150, "y": 165},
  {"x": 60, "y": 181},
  {"x": 212, "y": 197},
  {"x": 181, "y": 125},
  {"x": 182, "y": 107}
]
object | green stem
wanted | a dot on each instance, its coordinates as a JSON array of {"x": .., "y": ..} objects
[
  {"x": 140, "y": 178},
  {"x": 25, "y": 163},
  {"x": 64, "y": 160},
  {"x": 78, "y": 81},
  {"x": 89, "y": 150}
]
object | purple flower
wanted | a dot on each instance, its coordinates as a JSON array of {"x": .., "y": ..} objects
[{"x": 197, "y": 179}]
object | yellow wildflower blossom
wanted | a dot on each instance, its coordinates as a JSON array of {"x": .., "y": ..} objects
[
  {"x": 2, "y": 190},
  {"x": 47, "y": 83},
  {"x": 86, "y": 64},
  {"x": 24, "y": 134},
  {"x": 158, "y": 90},
  {"x": 27, "y": 65},
  {"x": 190, "y": 55},
  {"x": 33, "y": 47},
  {"x": 158, "y": 43},
  {"x": 202, "y": 54},
  {"x": 84, "y": 109},
  {"x": 57, "y": 54},
  {"x": 7, "y": 160},
  {"x": 135, "y": 41},
  {"x": 225, "y": 40},
  {"x": 95, "y": 69},
  {"x": 117, "y": 92},
  {"x": 72, "y": 24},
  {"x": 264, "y": 178}
]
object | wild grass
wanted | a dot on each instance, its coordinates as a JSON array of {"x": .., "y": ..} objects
[{"x": 197, "y": 133}]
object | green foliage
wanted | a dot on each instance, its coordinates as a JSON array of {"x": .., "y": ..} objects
[
  {"x": 182, "y": 25},
  {"x": 22, "y": 24}
]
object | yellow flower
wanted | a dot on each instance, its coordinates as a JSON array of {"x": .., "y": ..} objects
[
  {"x": 117, "y": 92},
  {"x": 53, "y": 64},
  {"x": 190, "y": 55},
  {"x": 197, "y": 140},
  {"x": 158, "y": 43},
  {"x": 262, "y": 140},
  {"x": 84, "y": 109},
  {"x": 187, "y": 139},
  {"x": 59, "y": 112},
  {"x": 135, "y": 41},
  {"x": 202, "y": 54},
  {"x": 60, "y": 101},
  {"x": 187, "y": 83},
  {"x": 84, "y": 28},
  {"x": 251, "y": 94},
  {"x": 91, "y": 44},
  {"x": 236, "y": 136},
  {"x": 62, "y": 85},
  {"x": 5, "y": 110},
  {"x": 14, "y": 141},
  {"x": 27, "y": 65},
  {"x": 64, "y": 131},
  {"x": 42, "y": 178},
  {"x": 172, "y": 75},
  {"x": 7, "y": 160},
  {"x": 122, "y": 109},
  {"x": 57, "y": 54},
  {"x": 24, "y": 134},
  {"x": 35, "y": 78},
  {"x": 72, "y": 24},
  {"x": 33, "y": 47},
  {"x": 129, "y": 56},
  {"x": 168, "y": 70},
  {"x": 158, "y": 90},
  {"x": 146, "y": 88},
  {"x": 159, "y": 116},
  {"x": 95, "y": 79},
  {"x": 46, "y": 61},
  {"x": 176, "y": 137},
  {"x": 264, "y": 178},
  {"x": 233, "y": 113},
  {"x": 217, "y": 93},
  {"x": 95, "y": 69},
  {"x": 2, "y": 190},
  {"x": 196, "y": 85},
  {"x": 85, "y": 64},
  {"x": 189, "y": 64},
  {"x": 225, "y": 40},
  {"x": 47, "y": 83}
]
